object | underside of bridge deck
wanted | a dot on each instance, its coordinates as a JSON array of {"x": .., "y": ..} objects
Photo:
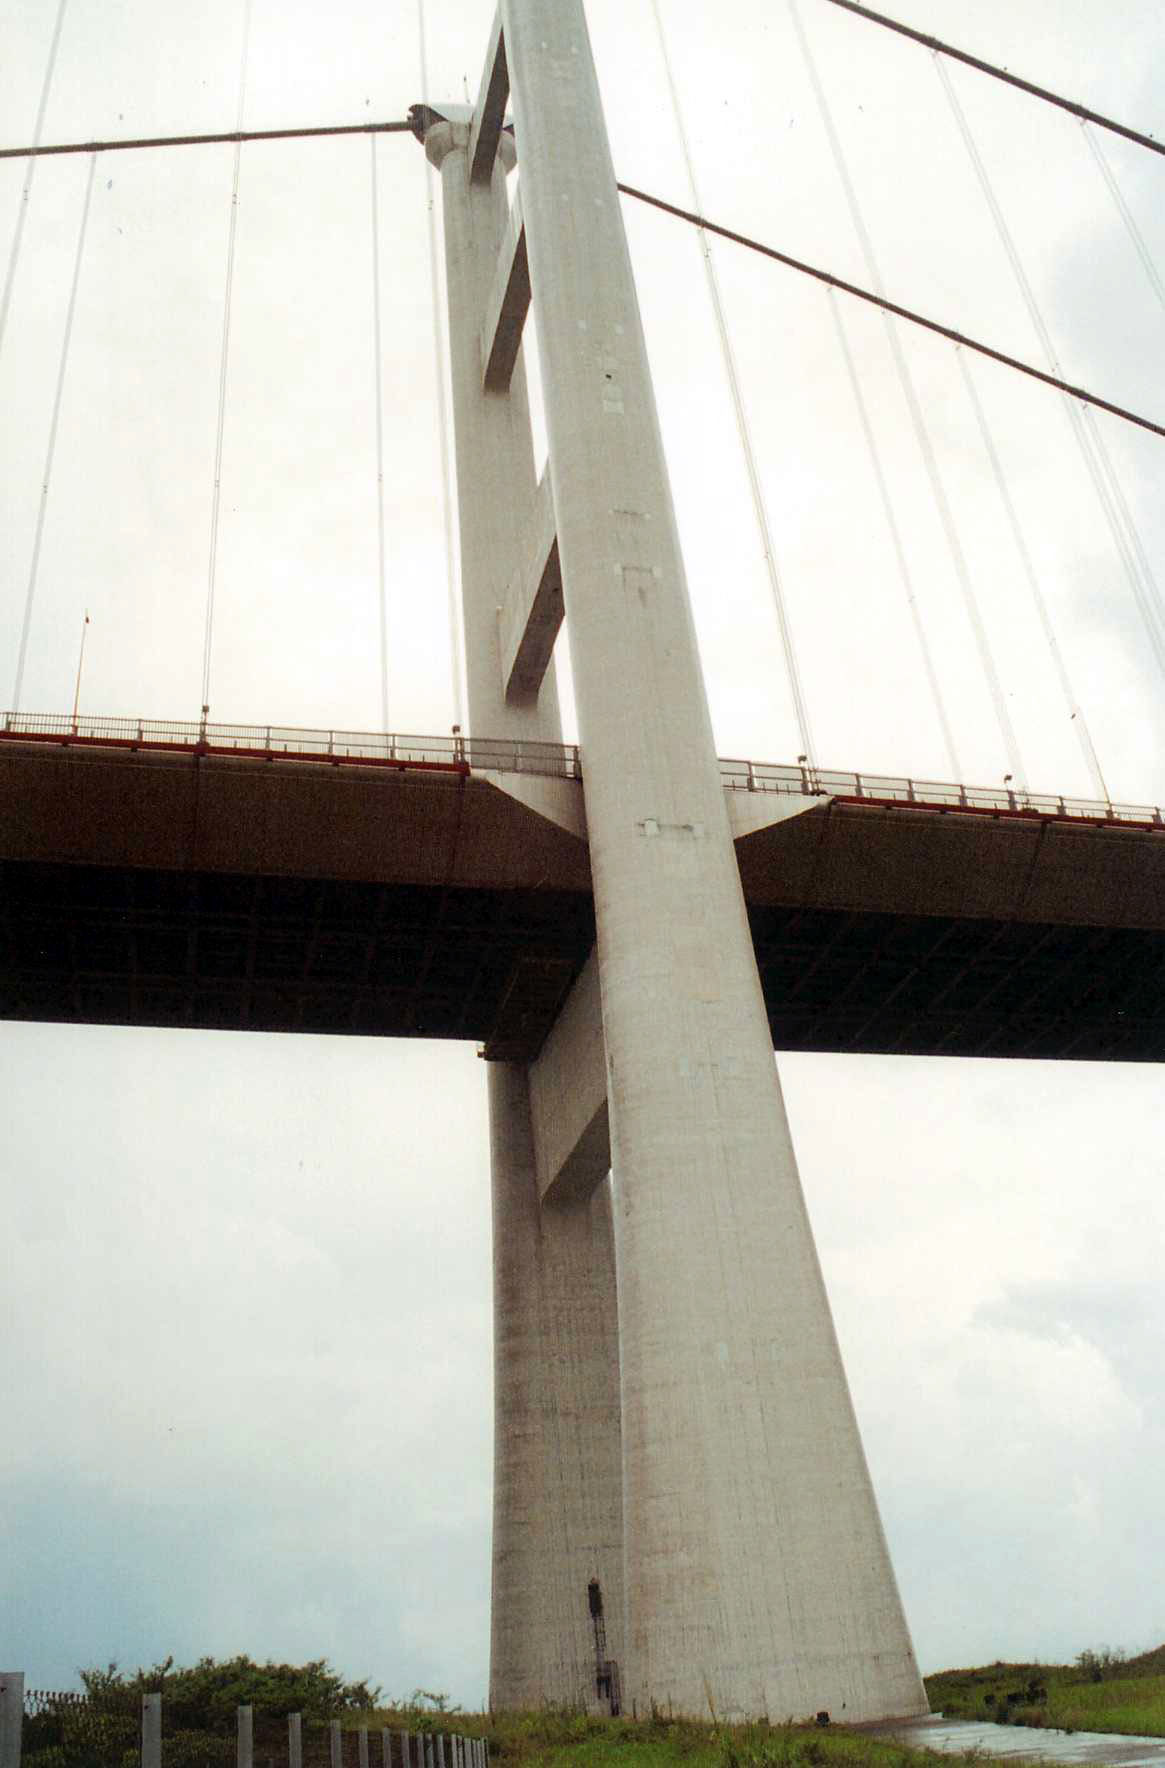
[{"x": 164, "y": 892}]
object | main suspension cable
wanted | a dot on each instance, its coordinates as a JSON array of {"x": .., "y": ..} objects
[
  {"x": 401, "y": 126},
  {"x": 51, "y": 449},
  {"x": 681, "y": 214},
  {"x": 880, "y": 300},
  {"x": 22, "y": 206},
  {"x": 442, "y": 417},
  {"x": 997, "y": 73},
  {"x": 917, "y": 418},
  {"x": 796, "y": 685},
  {"x": 224, "y": 361}
]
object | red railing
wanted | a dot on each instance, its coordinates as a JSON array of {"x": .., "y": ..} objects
[{"x": 462, "y": 755}]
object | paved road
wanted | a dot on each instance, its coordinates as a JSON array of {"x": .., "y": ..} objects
[{"x": 1020, "y": 1743}]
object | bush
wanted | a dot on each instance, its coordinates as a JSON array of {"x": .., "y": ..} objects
[{"x": 205, "y": 1697}]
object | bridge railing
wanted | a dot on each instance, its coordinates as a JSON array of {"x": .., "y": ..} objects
[
  {"x": 757, "y": 776},
  {"x": 461, "y": 754},
  {"x": 494, "y": 754}
]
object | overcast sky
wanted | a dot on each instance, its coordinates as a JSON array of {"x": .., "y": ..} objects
[{"x": 247, "y": 1278}]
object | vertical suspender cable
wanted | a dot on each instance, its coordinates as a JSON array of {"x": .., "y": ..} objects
[
  {"x": 442, "y": 419},
  {"x": 29, "y": 173},
  {"x": 66, "y": 339},
  {"x": 758, "y": 498},
  {"x": 376, "y": 381},
  {"x": 50, "y": 451},
  {"x": 1126, "y": 214},
  {"x": 1075, "y": 711},
  {"x": 224, "y": 360},
  {"x": 956, "y": 772},
  {"x": 922, "y": 434},
  {"x": 1095, "y": 455}
]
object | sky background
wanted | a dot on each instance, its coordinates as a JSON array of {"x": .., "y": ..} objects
[{"x": 246, "y": 1279}]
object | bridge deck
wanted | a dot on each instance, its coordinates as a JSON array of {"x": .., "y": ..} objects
[{"x": 180, "y": 887}]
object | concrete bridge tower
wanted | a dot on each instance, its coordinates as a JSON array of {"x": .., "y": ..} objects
[{"x": 683, "y": 1513}]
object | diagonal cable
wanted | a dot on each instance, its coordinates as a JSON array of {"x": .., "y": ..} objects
[
  {"x": 442, "y": 416},
  {"x": 22, "y": 208},
  {"x": 223, "y": 367},
  {"x": 51, "y": 449},
  {"x": 1122, "y": 526},
  {"x": 796, "y": 685},
  {"x": 921, "y": 431}
]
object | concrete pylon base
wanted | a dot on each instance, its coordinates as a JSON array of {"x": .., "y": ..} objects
[{"x": 558, "y": 1505}]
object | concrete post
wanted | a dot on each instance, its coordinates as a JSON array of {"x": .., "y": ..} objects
[
  {"x": 362, "y": 1746},
  {"x": 757, "y": 1577},
  {"x": 335, "y": 1744},
  {"x": 245, "y": 1737},
  {"x": 11, "y": 1717},
  {"x": 405, "y": 1751},
  {"x": 295, "y": 1740},
  {"x": 151, "y": 1731},
  {"x": 440, "y": 1751},
  {"x": 558, "y": 1468},
  {"x": 385, "y": 1749}
]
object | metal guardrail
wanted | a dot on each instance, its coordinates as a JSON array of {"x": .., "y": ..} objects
[
  {"x": 453, "y": 753},
  {"x": 462, "y": 755}
]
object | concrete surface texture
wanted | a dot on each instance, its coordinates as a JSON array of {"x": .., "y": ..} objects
[
  {"x": 557, "y": 1455},
  {"x": 755, "y": 1573}
]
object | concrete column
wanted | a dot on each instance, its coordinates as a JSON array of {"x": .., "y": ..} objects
[
  {"x": 385, "y": 1749},
  {"x": 11, "y": 1717},
  {"x": 557, "y": 1455},
  {"x": 405, "y": 1751},
  {"x": 335, "y": 1744},
  {"x": 362, "y": 1746},
  {"x": 495, "y": 453},
  {"x": 295, "y": 1740},
  {"x": 245, "y": 1737},
  {"x": 757, "y": 1577},
  {"x": 151, "y": 1731}
]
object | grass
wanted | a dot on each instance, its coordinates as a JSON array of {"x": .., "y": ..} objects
[
  {"x": 1101, "y": 1691},
  {"x": 563, "y": 1739}
]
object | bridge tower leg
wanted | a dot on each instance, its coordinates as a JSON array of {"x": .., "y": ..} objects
[
  {"x": 756, "y": 1576},
  {"x": 557, "y": 1455}
]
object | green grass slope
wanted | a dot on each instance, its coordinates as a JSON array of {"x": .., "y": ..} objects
[
  {"x": 556, "y": 1739},
  {"x": 1101, "y": 1691}
]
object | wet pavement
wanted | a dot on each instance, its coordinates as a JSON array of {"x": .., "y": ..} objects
[{"x": 1023, "y": 1743}]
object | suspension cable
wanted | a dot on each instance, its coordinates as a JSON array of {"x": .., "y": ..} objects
[
  {"x": 399, "y": 127},
  {"x": 896, "y": 537},
  {"x": 643, "y": 196},
  {"x": 224, "y": 362},
  {"x": 50, "y": 451},
  {"x": 22, "y": 207},
  {"x": 796, "y": 686},
  {"x": 382, "y": 598},
  {"x": 1090, "y": 442},
  {"x": 442, "y": 417},
  {"x": 1075, "y": 710},
  {"x": 887, "y": 306},
  {"x": 998, "y": 73},
  {"x": 1125, "y": 213},
  {"x": 918, "y": 421}
]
